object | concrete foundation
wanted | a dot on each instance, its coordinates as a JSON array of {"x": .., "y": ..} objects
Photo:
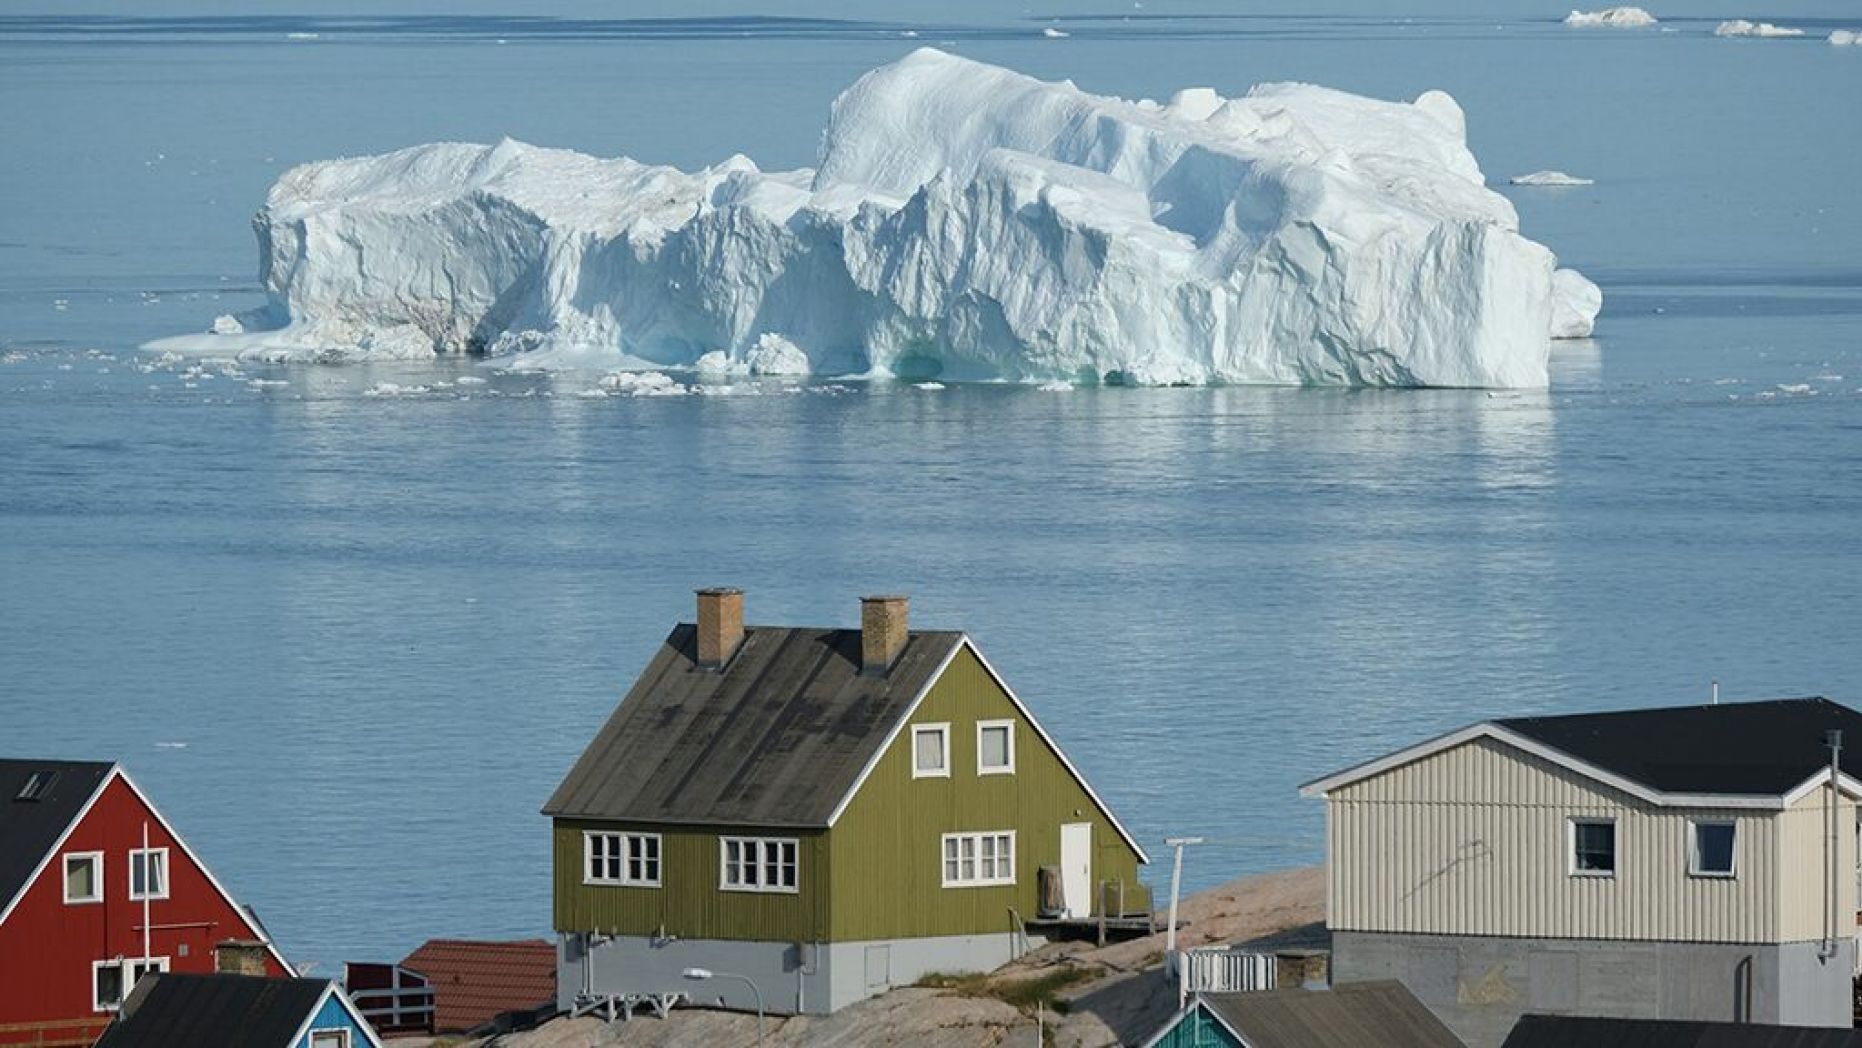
[
  {"x": 793, "y": 978},
  {"x": 1479, "y": 986}
]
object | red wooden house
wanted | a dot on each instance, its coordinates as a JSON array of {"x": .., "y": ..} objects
[{"x": 97, "y": 888}]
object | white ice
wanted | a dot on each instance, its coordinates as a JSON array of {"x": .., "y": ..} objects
[
  {"x": 964, "y": 222},
  {"x": 1619, "y": 17},
  {"x": 1549, "y": 178},
  {"x": 1741, "y": 27},
  {"x": 1846, "y": 37}
]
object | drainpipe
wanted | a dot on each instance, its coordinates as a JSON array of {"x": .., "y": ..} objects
[{"x": 1832, "y": 851}]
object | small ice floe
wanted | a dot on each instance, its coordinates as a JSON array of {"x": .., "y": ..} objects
[
  {"x": 1741, "y": 27},
  {"x": 1846, "y": 37},
  {"x": 227, "y": 324},
  {"x": 592, "y": 394},
  {"x": 12, "y": 356},
  {"x": 394, "y": 389},
  {"x": 930, "y": 387},
  {"x": 1502, "y": 394},
  {"x": 1056, "y": 386},
  {"x": 1826, "y": 377},
  {"x": 1550, "y": 178},
  {"x": 469, "y": 380},
  {"x": 303, "y": 36},
  {"x": 267, "y": 383},
  {"x": 641, "y": 384},
  {"x": 1795, "y": 389},
  {"x": 171, "y": 745},
  {"x": 1054, "y": 34},
  {"x": 909, "y": 34},
  {"x": 61, "y": 304},
  {"x": 1616, "y": 17}
]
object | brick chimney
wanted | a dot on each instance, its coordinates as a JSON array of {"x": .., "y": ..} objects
[
  {"x": 720, "y": 625},
  {"x": 239, "y": 956},
  {"x": 882, "y": 633}
]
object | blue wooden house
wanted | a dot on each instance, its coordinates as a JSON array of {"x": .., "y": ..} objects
[
  {"x": 237, "y": 1011},
  {"x": 1352, "y": 1015}
]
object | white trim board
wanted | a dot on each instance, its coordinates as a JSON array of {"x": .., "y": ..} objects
[
  {"x": 963, "y": 642},
  {"x": 1490, "y": 730}
]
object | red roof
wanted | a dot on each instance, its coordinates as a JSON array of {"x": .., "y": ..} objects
[{"x": 473, "y": 982}]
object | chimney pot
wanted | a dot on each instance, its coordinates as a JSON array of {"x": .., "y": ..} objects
[
  {"x": 720, "y": 625},
  {"x": 239, "y": 956},
  {"x": 882, "y": 632}
]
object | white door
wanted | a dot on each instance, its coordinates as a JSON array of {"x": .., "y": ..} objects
[{"x": 1076, "y": 869}]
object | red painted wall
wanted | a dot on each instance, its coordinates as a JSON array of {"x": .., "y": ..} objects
[{"x": 47, "y": 946}]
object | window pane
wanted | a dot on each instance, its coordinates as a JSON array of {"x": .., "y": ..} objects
[
  {"x": 158, "y": 873},
  {"x": 1713, "y": 847},
  {"x": 80, "y": 878},
  {"x": 996, "y": 747},
  {"x": 109, "y": 985},
  {"x": 1596, "y": 846},
  {"x": 1005, "y": 863},
  {"x": 138, "y": 874},
  {"x": 930, "y": 750}
]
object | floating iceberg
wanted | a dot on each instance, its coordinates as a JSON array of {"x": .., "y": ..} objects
[
  {"x": 1846, "y": 37},
  {"x": 1549, "y": 178},
  {"x": 1575, "y": 304},
  {"x": 1741, "y": 27},
  {"x": 964, "y": 222},
  {"x": 1619, "y": 17}
]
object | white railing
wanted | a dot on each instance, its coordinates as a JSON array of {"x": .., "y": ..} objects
[
  {"x": 1222, "y": 971},
  {"x": 406, "y": 1007}
]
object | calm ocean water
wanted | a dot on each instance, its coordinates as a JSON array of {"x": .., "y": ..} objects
[{"x": 351, "y": 642}]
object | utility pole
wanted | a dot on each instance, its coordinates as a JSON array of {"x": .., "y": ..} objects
[{"x": 1176, "y": 882}]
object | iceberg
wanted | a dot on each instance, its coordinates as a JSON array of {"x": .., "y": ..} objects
[
  {"x": 1549, "y": 178},
  {"x": 1741, "y": 27},
  {"x": 963, "y": 222},
  {"x": 1619, "y": 17},
  {"x": 1846, "y": 37}
]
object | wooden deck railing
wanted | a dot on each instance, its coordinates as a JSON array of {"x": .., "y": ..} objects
[{"x": 61, "y": 1033}]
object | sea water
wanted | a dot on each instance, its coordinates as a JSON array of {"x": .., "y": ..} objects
[{"x": 351, "y": 625}]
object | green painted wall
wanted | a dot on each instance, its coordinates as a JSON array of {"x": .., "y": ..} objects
[
  {"x": 879, "y": 873},
  {"x": 887, "y": 856},
  {"x": 1195, "y": 1029},
  {"x": 689, "y": 903}
]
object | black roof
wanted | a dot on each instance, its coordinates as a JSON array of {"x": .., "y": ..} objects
[
  {"x": 1378, "y": 1014},
  {"x": 229, "y": 1011},
  {"x": 32, "y": 821},
  {"x": 1751, "y": 748},
  {"x": 776, "y": 738},
  {"x": 1563, "y": 1031}
]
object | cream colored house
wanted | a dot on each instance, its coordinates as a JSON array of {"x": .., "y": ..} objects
[{"x": 1685, "y": 863}]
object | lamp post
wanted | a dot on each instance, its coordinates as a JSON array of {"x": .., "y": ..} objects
[
  {"x": 1176, "y": 878},
  {"x": 701, "y": 974}
]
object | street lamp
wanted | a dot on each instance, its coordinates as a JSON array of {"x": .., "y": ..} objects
[{"x": 701, "y": 974}]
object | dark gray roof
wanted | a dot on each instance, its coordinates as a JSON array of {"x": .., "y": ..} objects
[
  {"x": 1562, "y": 1031},
  {"x": 229, "y": 1011},
  {"x": 777, "y": 738},
  {"x": 1751, "y": 748},
  {"x": 29, "y": 828},
  {"x": 1381, "y": 1014}
]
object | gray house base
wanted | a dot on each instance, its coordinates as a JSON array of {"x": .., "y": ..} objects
[
  {"x": 1478, "y": 985},
  {"x": 793, "y": 978}
]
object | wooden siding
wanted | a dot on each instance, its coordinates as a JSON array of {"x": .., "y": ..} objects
[
  {"x": 689, "y": 903},
  {"x": 1194, "y": 1028},
  {"x": 1801, "y": 833},
  {"x": 887, "y": 854},
  {"x": 1475, "y": 841}
]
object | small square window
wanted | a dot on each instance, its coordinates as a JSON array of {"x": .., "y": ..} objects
[
  {"x": 1711, "y": 852},
  {"x": 148, "y": 874},
  {"x": 329, "y": 1039},
  {"x": 84, "y": 877},
  {"x": 1593, "y": 847},
  {"x": 995, "y": 747},
  {"x": 930, "y": 751},
  {"x": 106, "y": 986}
]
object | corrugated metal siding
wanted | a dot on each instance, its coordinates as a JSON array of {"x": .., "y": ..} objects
[
  {"x": 1801, "y": 843},
  {"x": 689, "y": 903},
  {"x": 887, "y": 845},
  {"x": 1473, "y": 841}
]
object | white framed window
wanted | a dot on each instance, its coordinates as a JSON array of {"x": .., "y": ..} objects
[
  {"x": 931, "y": 751},
  {"x": 630, "y": 859},
  {"x": 329, "y": 1039},
  {"x": 758, "y": 864},
  {"x": 148, "y": 874},
  {"x": 995, "y": 747},
  {"x": 112, "y": 980},
  {"x": 1593, "y": 847},
  {"x": 83, "y": 877},
  {"x": 1711, "y": 847},
  {"x": 973, "y": 860}
]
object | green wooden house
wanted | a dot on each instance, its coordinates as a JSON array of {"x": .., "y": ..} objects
[{"x": 820, "y": 814}]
